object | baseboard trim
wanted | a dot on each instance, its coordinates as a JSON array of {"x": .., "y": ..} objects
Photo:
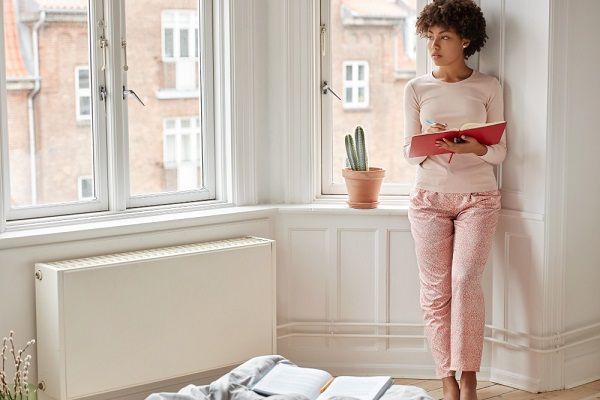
[
  {"x": 517, "y": 381},
  {"x": 404, "y": 371},
  {"x": 169, "y": 385}
]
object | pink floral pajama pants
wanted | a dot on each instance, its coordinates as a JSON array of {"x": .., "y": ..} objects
[{"x": 453, "y": 233}]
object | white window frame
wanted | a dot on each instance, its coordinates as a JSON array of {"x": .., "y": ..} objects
[
  {"x": 207, "y": 126},
  {"x": 79, "y": 93},
  {"x": 329, "y": 188},
  {"x": 110, "y": 133},
  {"x": 355, "y": 84}
]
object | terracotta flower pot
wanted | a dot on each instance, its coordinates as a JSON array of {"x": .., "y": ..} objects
[{"x": 363, "y": 187}]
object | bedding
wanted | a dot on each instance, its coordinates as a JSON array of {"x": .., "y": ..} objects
[{"x": 238, "y": 383}]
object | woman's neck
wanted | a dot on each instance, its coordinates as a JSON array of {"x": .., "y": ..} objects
[{"x": 452, "y": 73}]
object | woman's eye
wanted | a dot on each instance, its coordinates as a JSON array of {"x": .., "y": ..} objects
[{"x": 445, "y": 37}]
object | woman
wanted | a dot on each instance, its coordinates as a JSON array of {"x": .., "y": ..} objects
[{"x": 454, "y": 205}]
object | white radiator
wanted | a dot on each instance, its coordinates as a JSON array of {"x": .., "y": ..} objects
[{"x": 117, "y": 321}]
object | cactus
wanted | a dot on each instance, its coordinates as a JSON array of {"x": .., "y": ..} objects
[
  {"x": 351, "y": 152},
  {"x": 357, "y": 156},
  {"x": 359, "y": 135}
]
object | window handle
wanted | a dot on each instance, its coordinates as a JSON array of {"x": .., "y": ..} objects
[
  {"x": 325, "y": 87},
  {"x": 124, "y": 47},
  {"x": 103, "y": 46},
  {"x": 130, "y": 91},
  {"x": 323, "y": 32}
]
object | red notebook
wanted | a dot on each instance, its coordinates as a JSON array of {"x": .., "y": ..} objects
[{"x": 488, "y": 134}]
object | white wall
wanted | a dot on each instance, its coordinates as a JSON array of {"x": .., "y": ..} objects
[
  {"x": 526, "y": 277},
  {"x": 582, "y": 183}
]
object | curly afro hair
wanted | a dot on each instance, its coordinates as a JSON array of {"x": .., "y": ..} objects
[{"x": 464, "y": 16}]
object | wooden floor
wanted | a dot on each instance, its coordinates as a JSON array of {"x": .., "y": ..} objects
[{"x": 491, "y": 390}]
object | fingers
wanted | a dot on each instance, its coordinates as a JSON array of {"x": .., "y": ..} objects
[
  {"x": 446, "y": 144},
  {"x": 469, "y": 139},
  {"x": 435, "y": 128}
]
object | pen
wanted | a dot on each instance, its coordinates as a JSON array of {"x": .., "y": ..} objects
[
  {"x": 431, "y": 122},
  {"x": 326, "y": 385}
]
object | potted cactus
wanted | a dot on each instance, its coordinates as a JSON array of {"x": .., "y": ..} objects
[{"x": 362, "y": 181}]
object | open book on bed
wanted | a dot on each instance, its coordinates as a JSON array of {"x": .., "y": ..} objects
[
  {"x": 485, "y": 133},
  {"x": 320, "y": 385}
]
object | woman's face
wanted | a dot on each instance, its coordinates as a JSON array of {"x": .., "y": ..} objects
[{"x": 445, "y": 45}]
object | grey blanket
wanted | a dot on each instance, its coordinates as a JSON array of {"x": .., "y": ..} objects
[{"x": 237, "y": 385}]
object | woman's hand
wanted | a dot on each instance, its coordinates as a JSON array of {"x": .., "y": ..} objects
[
  {"x": 435, "y": 127},
  {"x": 470, "y": 145}
]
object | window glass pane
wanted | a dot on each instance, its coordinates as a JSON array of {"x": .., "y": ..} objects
[
  {"x": 351, "y": 37},
  {"x": 85, "y": 103},
  {"x": 84, "y": 78},
  {"x": 196, "y": 44},
  {"x": 86, "y": 189},
  {"x": 348, "y": 95},
  {"x": 48, "y": 147},
  {"x": 168, "y": 42},
  {"x": 184, "y": 43},
  {"x": 169, "y": 152},
  {"x": 153, "y": 164},
  {"x": 186, "y": 148}
]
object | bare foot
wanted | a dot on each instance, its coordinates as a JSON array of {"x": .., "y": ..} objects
[
  {"x": 450, "y": 388},
  {"x": 468, "y": 385}
]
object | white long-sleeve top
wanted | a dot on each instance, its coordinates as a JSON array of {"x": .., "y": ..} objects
[{"x": 477, "y": 98}]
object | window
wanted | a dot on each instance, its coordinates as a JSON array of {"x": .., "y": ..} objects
[
  {"x": 371, "y": 88},
  {"x": 410, "y": 39},
  {"x": 180, "y": 49},
  {"x": 356, "y": 84},
  {"x": 83, "y": 96},
  {"x": 54, "y": 165},
  {"x": 181, "y": 151},
  {"x": 85, "y": 187}
]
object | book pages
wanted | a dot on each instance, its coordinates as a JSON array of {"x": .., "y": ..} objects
[
  {"x": 290, "y": 379},
  {"x": 363, "y": 387}
]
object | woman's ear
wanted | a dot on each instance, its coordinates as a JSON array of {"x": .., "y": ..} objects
[{"x": 466, "y": 44}]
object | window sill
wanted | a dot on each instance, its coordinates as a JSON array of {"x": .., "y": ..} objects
[
  {"x": 338, "y": 208},
  {"x": 358, "y": 109},
  {"x": 135, "y": 222},
  {"x": 106, "y": 224},
  {"x": 168, "y": 94},
  {"x": 83, "y": 122},
  {"x": 99, "y": 226}
]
